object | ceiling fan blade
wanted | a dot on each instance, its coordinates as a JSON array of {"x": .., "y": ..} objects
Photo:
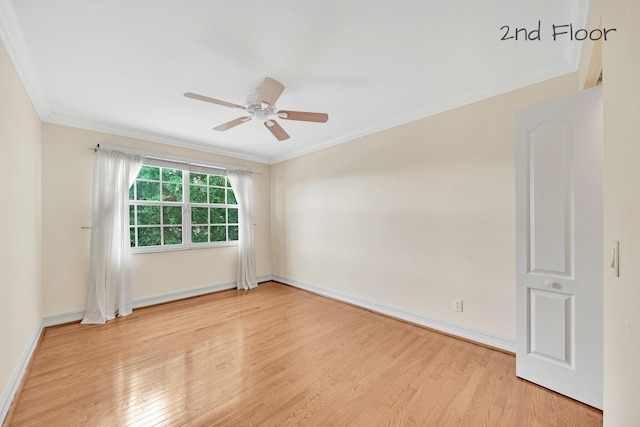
[
  {"x": 276, "y": 130},
  {"x": 303, "y": 116},
  {"x": 232, "y": 123},
  {"x": 212, "y": 100},
  {"x": 271, "y": 91}
]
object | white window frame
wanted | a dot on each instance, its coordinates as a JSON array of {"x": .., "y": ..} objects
[{"x": 187, "y": 166}]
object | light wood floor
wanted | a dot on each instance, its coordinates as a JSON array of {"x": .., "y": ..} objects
[{"x": 275, "y": 356}]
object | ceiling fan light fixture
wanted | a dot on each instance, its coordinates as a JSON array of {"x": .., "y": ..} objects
[{"x": 260, "y": 111}]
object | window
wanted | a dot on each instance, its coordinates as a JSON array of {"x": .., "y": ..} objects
[{"x": 177, "y": 209}]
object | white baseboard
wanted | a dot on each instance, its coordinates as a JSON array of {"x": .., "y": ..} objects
[
  {"x": 59, "y": 319},
  {"x": 174, "y": 296},
  {"x": 77, "y": 315},
  {"x": 465, "y": 332},
  {"x": 265, "y": 278},
  {"x": 16, "y": 378}
]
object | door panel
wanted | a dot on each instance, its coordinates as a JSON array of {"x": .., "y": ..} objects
[
  {"x": 551, "y": 326},
  {"x": 559, "y": 245},
  {"x": 550, "y": 198}
]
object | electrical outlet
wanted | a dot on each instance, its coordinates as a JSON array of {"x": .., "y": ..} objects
[{"x": 457, "y": 305}]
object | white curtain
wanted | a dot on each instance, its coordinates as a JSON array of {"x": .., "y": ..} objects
[
  {"x": 242, "y": 184},
  {"x": 109, "y": 285}
]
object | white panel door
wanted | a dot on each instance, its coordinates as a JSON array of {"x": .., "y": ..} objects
[{"x": 559, "y": 244}]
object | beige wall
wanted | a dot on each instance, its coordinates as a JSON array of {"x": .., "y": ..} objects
[
  {"x": 414, "y": 216},
  {"x": 20, "y": 248},
  {"x": 66, "y": 207},
  {"x": 622, "y": 212}
]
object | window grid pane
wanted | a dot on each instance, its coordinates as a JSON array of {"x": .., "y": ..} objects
[{"x": 158, "y": 198}]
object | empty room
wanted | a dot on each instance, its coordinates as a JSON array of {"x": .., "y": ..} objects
[{"x": 319, "y": 213}]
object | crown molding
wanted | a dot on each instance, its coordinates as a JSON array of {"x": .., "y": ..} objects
[
  {"x": 540, "y": 75},
  {"x": 519, "y": 82},
  {"x": 12, "y": 37},
  {"x": 61, "y": 119}
]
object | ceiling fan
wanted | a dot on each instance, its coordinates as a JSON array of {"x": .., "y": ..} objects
[{"x": 263, "y": 108}]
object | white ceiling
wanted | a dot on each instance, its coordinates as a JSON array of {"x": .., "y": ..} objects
[{"x": 122, "y": 66}]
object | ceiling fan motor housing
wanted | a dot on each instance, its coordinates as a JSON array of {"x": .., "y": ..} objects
[{"x": 261, "y": 110}]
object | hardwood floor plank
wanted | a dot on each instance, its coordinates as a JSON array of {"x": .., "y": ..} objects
[{"x": 275, "y": 356}]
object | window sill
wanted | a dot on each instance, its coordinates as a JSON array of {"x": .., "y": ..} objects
[{"x": 175, "y": 248}]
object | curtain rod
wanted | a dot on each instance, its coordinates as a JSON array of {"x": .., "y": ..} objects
[{"x": 184, "y": 160}]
